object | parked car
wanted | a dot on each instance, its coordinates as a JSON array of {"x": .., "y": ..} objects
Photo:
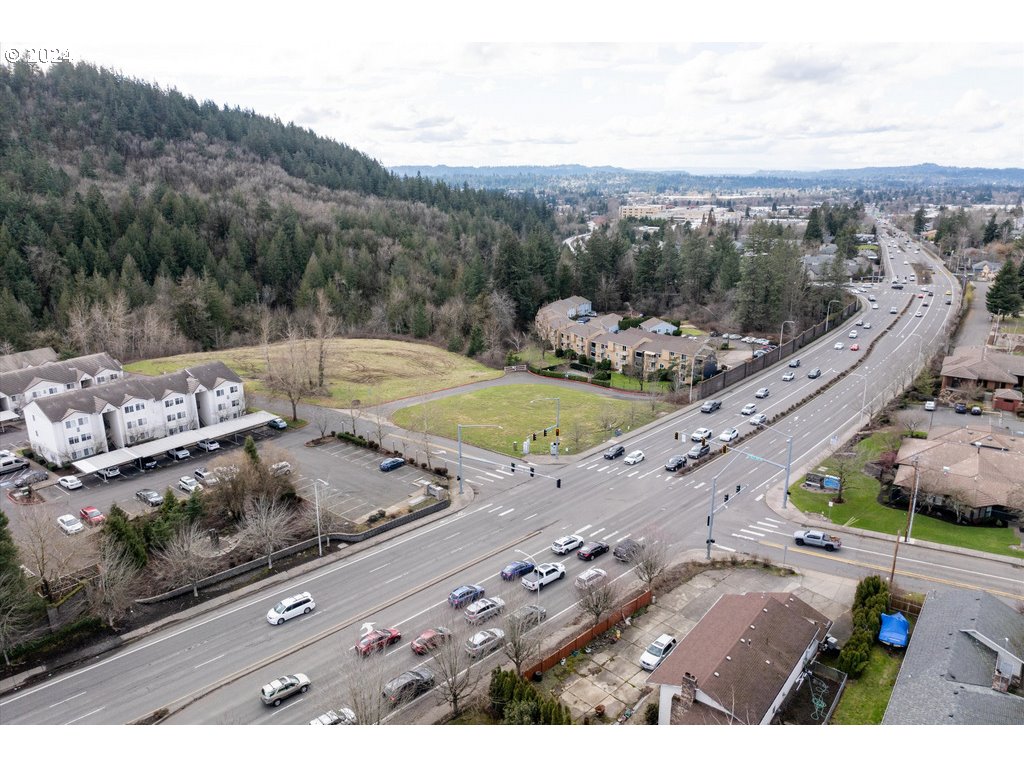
[
  {"x": 748, "y": 410},
  {"x": 975, "y": 410},
  {"x": 91, "y": 516},
  {"x": 527, "y": 615},
  {"x": 429, "y": 639},
  {"x": 960, "y": 408},
  {"x": 516, "y": 569},
  {"x": 761, "y": 393},
  {"x": 635, "y": 457},
  {"x": 70, "y": 482},
  {"x": 484, "y": 609},
  {"x": 614, "y": 452},
  {"x": 280, "y": 468},
  {"x": 208, "y": 445},
  {"x": 698, "y": 451},
  {"x": 188, "y": 484},
  {"x": 789, "y": 376},
  {"x": 393, "y": 463},
  {"x": 179, "y": 453},
  {"x": 657, "y": 651},
  {"x": 206, "y": 476},
  {"x": 376, "y": 640},
  {"x": 592, "y": 549},
  {"x": 147, "y": 462},
  {"x": 408, "y": 685},
  {"x": 929, "y": 405},
  {"x": 814, "y": 373},
  {"x": 700, "y": 434},
  {"x": 729, "y": 435},
  {"x": 626, "y": 550},
  {"x": 711, "y": 406},
  {"x": 109, "y": 472},
  {"x": 277, "y": 423},
  {"x": 465, "y": 595},
  {"x": 31, "y": 478},
  {"x": 290, "y": 607},
  {"x": 70, "y": 524},
  {"x": 566, "y": 544},
  {"x": 342, "y": 716},
  {"x": 675, "y": 462},
  {"x": 759, "y": 420},
  {"x": 276, "y": 691},
  {"x": 150, "y": 497},
  {"x": 590, "y": 578},
  {"x": 484, "y": 641}
]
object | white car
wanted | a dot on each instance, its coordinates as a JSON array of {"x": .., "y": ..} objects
[
  {"x": 188, "y": 484},
  {"x": 838, "y": 345},
  {"x": 70, "y": 482},
  {"x": 179, "y": 453},
  {"x": 929, "y": 405},
  {"x": 70, "y": 524},
  {"x": 874, "y": 306},
  {"x": 748, "y": 410},
  {"x": 867, "y": 326},
  {"x": 919, "y": 313},
  {"x": 729, "y": 435},
  {"x": 657, "y": 651},
  {"x": 788, "y": 376},
  {"x": 853, "y": 334},
  {"x": 591, "y": 578},
  {"x": 566, "y": 544},
  {"x": 759, "y": 420},
  {"x": 635, "y": 457},
  {"x": 109, "y": 472},
  {"x": 290, "y": 607},
  {"x": 700, "y": 434},
  {"x": 208, "y": 445}
]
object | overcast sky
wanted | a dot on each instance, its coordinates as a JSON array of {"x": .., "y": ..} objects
[{"x": 405, "y": 87}]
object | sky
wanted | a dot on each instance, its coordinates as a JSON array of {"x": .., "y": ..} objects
[{"x": 408, "y": 87}]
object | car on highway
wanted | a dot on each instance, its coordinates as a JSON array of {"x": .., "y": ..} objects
[
  {"x": 657, "y": 651},
  {"x": 627, "y": 550},
  {"x": 920, "y": 295},
  {"x": 91, "y": 516},
  {"x": 526, "y": 616},
  {"x": 188, "y": 484},
  {"x": 392, "y": 463},
  {"x": 634, "y": 458},
  {"x": 483, "y": 609},
  {"x": 874, "y": 306},
  {"x": 466, "y": 594},
  {"x": 543, "y": 574},
  {"x": 566, "y": 544},
  {"x": 614, "y": 452},
  {"x": 729, "y": 435},
  {"x": 748, "y": 410},
  {"x": 700, "y": 434},
  {"x": 867, "y": 326},
  {"x": 919, "y": 313},
  {"x": 711, "y": 406},
  {"x": 855, "y": 347},
  {"x": 70, "y": 482},
  {"x": 590, "y": 578},
  {"x": 949, "y": 293},
  {"x": 276, "y": 691},
  {"x": 31, "y": 478},
  {"x": 408, "y": 685},
  {"x": 698, "y": 451},
  {"x": 794, "y": 363},
  {"x": 853, "y": 334},
  {"x": 290, "y": 607},
  {"x": 788, "y": 376},
  {"x": 341, "y": 716},
  {"x": 484, "y": 641},
  {"x": 675, "y": 462},
  {"x": 208, "y": 445},
  {"x": 377, "y": 640},
  {"x": 429, "y": 639},
  {"x": 759, "y": 420},
  {"x": 70, "y": 524},
  {"x": 838, "y": 345},
  {"x": 960, "y": 408},
  {"x": 814, "y": 373},
  {"x": 277, "y": 423},
  {"x": 179, "y": 454},
  {"x": 109, "y": 472},
  {"x": 516, "y": 569},
  {"x": 859, "y": 322},
  {"x": 150, "y": 497},
  {"x": 592, "y": 549},
  {"x": 762, "y": 393},
  {"x": 893, "y": 310}
]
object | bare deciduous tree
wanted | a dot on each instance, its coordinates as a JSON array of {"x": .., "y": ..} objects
[
  {"x": 15, "y": 601},
  {"x": 362, "y": 681},
  {"x": 599, "y": 599},
  {"x": 454, "y": 675},
  {"x": 650, "y": 559},
  {"x": 325, "y": 326},
  {"x": 607, "y": 418},
  {"x": 266, "y": 526},
  {"x": 182, "y": 560},
  {"x": 290, "y": 373},
  {"x": 523, "y": 636},
  {"x": 844, "y": 466},
  {"x": 322, "y": 419},
  {"x": 113, "y": 590},
  {"x": 910, "y": 420},
  {"x": 49, "y": 552},
  {"x": 576, "y": 434}
]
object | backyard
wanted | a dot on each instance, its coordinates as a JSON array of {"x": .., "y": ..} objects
[{"x": 865, "y": 699}]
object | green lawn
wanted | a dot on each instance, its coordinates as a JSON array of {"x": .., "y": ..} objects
[
  {"x": 689, "y": 330},
  {"x": 621, "y": 381},
  {"x": 586, "y": 419},
  {"x": 865, "y": 699}
]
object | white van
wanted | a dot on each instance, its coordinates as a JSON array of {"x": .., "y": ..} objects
[{"x": 291, "y": 607}]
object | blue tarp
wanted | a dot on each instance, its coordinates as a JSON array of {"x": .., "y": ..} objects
[{"x": 894, "y": 631}]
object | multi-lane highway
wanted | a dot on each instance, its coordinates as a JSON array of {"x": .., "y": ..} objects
[{"x": 209, "y": 669}]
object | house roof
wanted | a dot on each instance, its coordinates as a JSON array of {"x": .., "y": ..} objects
[
  {"x": 959, "y": 640},
  {"x": 27, "y": 359},
  {"x": 1007, "y": 394},
  {"x": 977, "y": 364},
  {"x": 654, "y": 322},
  {"x": 563, "y": 306},
  {"x": 742, "y": 652},
  {"x": 62, "y": 372}
]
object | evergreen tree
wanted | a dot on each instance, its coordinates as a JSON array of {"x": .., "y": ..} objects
[
  {"x": 251, "y": 453},
  {"x": 813, "y": 232},
  {"x": 991, "y": 230},
  {"x": 919, "y": 221},
  {"x": 476, "y": 342},
  {"x": 1004, "y": 297},
  {"x": 8, "y": 549}
]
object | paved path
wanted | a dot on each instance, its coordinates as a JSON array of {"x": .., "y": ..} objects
[{"x": 976, "y": 326}]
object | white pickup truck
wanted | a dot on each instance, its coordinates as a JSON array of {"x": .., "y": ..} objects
[
  {"x": 818, "y": 539},
  {"x": 545, "y": 573}
]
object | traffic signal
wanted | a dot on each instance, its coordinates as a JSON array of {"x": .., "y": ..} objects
[
  {"x": 726, "y": 499},
  {"x": 737, "y": 487},
  {"x": 558, "y": 431},
  {"x": 677, "y": 435},
  {"x": 535, "y": 436},
  {"x": 545, "y": 433},
  {"x": 558, "y": 483},
  {"x": 513, "y": 467},
  {"x": 531, "y": 471}
]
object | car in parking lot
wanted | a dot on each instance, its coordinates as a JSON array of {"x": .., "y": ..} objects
[
  {"x": 566, "y": 544},
  {"x": 698, "y": 451},
  {"x": 515, "y": 569},
  {"x": 838, "y": 345},
  {"x": 761, "y": 393},
  {"x": 30, "y": 478},
  {"x": 91, "y": 516},
  {"x": 657, "y": 651},
  {"x": 484, "y": 641},
  {"x": 814, "y": 373},
  {"x": 592, "y": 549},
  {"x": 591, "y": 577},
  {"x": 788, "y": 376},
  {"x": 109, "y": 472},
  {"x": 392, "y": 463},
  {"x": 408, "y": 685},
  {"x": 188, "y": 484},
  {"x": 70, "y": 524},
  {"x": 70, "y": 482},
  {"x": 150, "y": 497},
  {"x": 206, "y": 476},
  {"x": 276, "y": 691},
  {"x": 147, "y": 462},
  {"x": 376, "y": 640},
  {"x": 748, "y": 410},
  {"x": 280, "y": 468},
  {"x": 929, "y": 405},
  {"x": 975, "y": 410},
  {"x": 700, "y": 434},
  {"x": 729, "y": 435},
  {"x": 960, "y": 408},
  {"x": 277, "y": 423},
  {"x": 483, "y": 609},
  {"x": 429, "y": 639},
  {"x": 711, "y": 406},
  {"x": 675, "y": 462},
  {"x": 208, "y": 445},
  {"x": 759, "y": 420},
  {"x": 635, "y": 457},
  {"x": 466, "y": 594},
  {"x": 179, "y": 453}
]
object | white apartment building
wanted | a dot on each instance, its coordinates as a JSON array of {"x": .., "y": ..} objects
[{"x": 20, "y": 387}]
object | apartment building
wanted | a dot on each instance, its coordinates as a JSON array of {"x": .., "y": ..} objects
[{"x": 21, "y": 386}]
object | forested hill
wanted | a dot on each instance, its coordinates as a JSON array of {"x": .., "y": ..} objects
[{"x": 137, "y": 219}]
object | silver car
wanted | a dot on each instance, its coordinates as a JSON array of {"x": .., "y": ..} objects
[
  {"x": 484, "y": 641},
  {"x": 276, "y": 691}
]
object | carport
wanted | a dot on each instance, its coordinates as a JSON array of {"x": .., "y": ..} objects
[
  {"x": 6, "y": 416},
  {"x": 93, "y": 464}
]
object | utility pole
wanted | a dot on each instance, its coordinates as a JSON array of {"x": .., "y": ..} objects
[
  {"x": 892, "y": 572},
  {"x": 913, "y": 500}
]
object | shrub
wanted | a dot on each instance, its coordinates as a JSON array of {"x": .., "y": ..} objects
[{"x": 651, "y": 713}]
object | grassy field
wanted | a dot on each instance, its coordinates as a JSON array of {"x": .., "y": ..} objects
[
  {"x": 621, "y": 381},
  {"x": 368, "y": 370},
  {"x": 585, "y": 419},
  {"x": 864, "y": 700}
]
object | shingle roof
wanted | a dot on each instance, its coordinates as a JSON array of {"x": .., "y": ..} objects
[
  {"x": 947, "y": 672},
  {"x": 62, "y": 372},
  {"x": 974, "y": 364},
  {"x": 27, "y": 359}
]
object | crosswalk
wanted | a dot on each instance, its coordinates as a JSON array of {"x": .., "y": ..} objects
[{"x": 760, "y": 530}]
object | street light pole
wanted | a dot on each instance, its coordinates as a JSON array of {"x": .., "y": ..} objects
[
  {"x": 828, "y": 311},
  {"x": 494, "y": 426},
  {"x": 316, "y": 502},
  {"x": 783, "y": 328},
  {"x": 913, "y": 500},
  {"x": 711, "y": 514}
]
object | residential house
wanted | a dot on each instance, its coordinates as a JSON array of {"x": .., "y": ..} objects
[
  {"x": 963, "y": 664},
  {"x": 740, "y": 662},
  {"x": 985, "y": 270},
  {"x": 27, "y": 359},
  {"x": 657, "y": 325},
  {"x": 1007, "y": 400},
  {"x": 83, "y": 422},
  {"x": 982, "y": 367},
  {"x": 970, "y": 474},
  {"x": 20, "y": 387}
]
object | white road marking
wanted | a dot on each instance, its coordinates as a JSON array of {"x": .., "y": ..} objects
[
  {"x": 759, "y": 497},
  {"x": 581, "y": 530},
  {"x": 736, "y": 535},
  {"x": 197, "y": 666},
  {"x": 780, "y": 522},
  {"x": 69, "y": 722},
  {"x": 699, "y": 485},
  {"x": 621, "y": 538},
  {"x": 767, "y": 525},
  {"x": 529, "y": 516},
  {"x": 752, "y": 533},
  {"x": 510, "y": 509},
  {"x": 387, "y": 564},
  {"x": 69, "y": 698},
  {"x": 491, "y": 474},
  {"x": 727, "y": 549},
  {"x": 594, "y": 533}
]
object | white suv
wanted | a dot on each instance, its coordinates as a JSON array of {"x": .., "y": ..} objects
[{"x": 291, "y": 607}]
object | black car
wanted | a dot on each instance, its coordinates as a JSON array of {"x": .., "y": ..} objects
[
  {"x": 698, "y": 451},
  {"x": 35, "y": 476},
  {"x": 711, "y": 406},
  {"x": 147, "y": 463},
  {"x": 960, "y": 408},
  {"x": 393, "y": 463},
  {"x": 591, "y": 549},
  {"x": 614, "y": 452},
  {"x": 408, "y": 685},
  {"x": 675, "y": 462},
  {"x": 794, "y": 363},
  {"x": 626, "y": 550},
  {"x": 814, "y": 373}
]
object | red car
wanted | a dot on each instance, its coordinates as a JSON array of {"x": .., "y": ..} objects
[
  {"x": 855, "y": 347},
  {"x": 430, "y": 639},
  {"x": 377, "y": 640},
  {"x": 92, "y": 516}
]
